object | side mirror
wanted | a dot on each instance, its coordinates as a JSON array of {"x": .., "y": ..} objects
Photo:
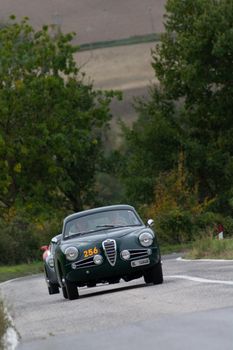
[
  {"x": 150, "y": 223},
  {"x": 56, "y": 239},
  {"x": 44, "y": 248}
]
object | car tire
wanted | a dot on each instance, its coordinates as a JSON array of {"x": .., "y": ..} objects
[
  {"x": 61, "y": 280},
  {"x": 72, "y": 290},
  {"x": 53, "y": 288},
  {"x": 154, "y": 275},
  {"x": 64, "y": 292}
]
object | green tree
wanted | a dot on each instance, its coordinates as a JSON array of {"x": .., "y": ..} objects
[
  {"x": 51, "y": 120},
  {"x": 194, "y": 67},
  {"x": 176, "y": 209},
  {"x": 193, "y": 63},
  {"x": 151, "y": 146}
]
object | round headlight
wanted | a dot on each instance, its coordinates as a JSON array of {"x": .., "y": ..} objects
[
  {"x": 71, "y": 253},
  {"x": 98, "y": 259},
  {"x": 51, "y": 262},
  {"x": 146, "y": 239},
  {"x": 125, "y": 254}
]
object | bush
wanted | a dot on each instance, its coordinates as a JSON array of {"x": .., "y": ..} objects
[
  {"x": 228, "y": 226},
  {"x": 179, "y": 215},
  {"x": 179, "y": 226},
  {"x": 175, "y": 226},
  {"x": 20, "y": 239},
  {"x": 18, "y": 243}
]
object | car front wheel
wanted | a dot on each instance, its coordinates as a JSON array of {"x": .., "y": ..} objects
[
  {"x": 154, "y": 275},
  {"x": 72, "y": 290},
  {"x": 64, "y": 292}
]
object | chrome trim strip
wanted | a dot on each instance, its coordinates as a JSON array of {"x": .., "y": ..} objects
[{"x": 138, "y": 254}]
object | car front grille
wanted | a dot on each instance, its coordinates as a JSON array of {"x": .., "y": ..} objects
[
  {"x": 138, "y": 253},
  {"x": 83, "y": 263},
  {"x": 109, "y": 247}
]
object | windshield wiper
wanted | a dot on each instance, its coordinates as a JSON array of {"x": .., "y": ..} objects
[
  {"x": 113, "y": 226},
  {"x": 106, "y": 226},
  {"x": 79, "y": 233}
]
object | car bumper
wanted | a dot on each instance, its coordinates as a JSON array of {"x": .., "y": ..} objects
[{"x": 105, "y": 271}]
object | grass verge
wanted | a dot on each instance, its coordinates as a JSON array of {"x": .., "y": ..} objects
[
  {"x": 210, "y": 248},
  {"x": 14, "y": 271},
  {"x": 175, "y": 248}
]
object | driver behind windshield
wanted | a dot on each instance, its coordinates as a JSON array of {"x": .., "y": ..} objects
[{"x": 80, "y": 225}]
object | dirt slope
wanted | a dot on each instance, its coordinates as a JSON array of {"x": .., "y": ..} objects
[
  {"x": 127, "y": 68},
  {"x": 92, "y": 20}
]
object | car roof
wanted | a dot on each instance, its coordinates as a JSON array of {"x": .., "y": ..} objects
[{"x": 97, "y": 210}]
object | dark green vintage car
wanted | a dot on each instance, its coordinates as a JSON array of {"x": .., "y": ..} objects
[{"x": 104, "y": 245}]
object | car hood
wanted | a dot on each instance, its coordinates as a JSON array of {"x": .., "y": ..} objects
[{"x": 99, "y": 236}]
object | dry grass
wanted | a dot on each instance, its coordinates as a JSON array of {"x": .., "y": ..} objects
[
  {"x": 92, "y": 20},
  {"x": 211, "y": 248}
]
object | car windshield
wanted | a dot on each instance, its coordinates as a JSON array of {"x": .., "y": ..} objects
[{"x": 102, "y": 220}]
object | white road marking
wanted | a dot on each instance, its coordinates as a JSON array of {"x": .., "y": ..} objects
[
  {"x": 217, "y": 260},
  {"x": 201, "y": 280}
]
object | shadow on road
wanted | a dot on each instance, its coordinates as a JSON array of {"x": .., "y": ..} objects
[
  {"x": 108, "y": 291},
  {"x": 93, "y": 292}
]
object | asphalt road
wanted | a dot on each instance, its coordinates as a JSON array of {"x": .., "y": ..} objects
[{"x": 194, "y": 305}]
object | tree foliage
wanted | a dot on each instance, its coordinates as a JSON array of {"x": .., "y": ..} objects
[
  {"x": 190, "y": 114},
  {"x": 194, "y": 66},
  {"x": 51, "y": 120},
  {"x": 150, "y": 147},
  {"x": 179, "y": 215}
]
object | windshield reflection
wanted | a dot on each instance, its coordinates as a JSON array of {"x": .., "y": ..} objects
[{"x": 103, "y": 220}]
